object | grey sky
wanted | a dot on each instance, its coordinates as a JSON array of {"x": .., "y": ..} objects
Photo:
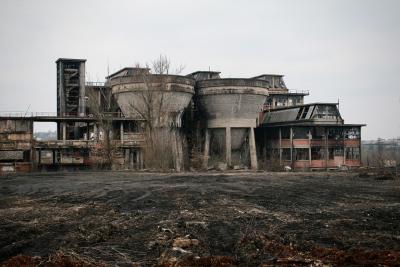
[{"x": 336, "y": 49}]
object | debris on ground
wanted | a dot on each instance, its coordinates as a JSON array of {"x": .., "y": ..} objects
[{"x": 206, "y": 219}]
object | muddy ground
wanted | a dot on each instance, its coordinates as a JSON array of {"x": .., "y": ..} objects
[{"x": 123, "y": 218}]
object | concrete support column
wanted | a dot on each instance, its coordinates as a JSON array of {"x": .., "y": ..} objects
[
  {"x": 228, "y": 146},
  {"x": 64, "y": 131},
  {"x": 141, "y": 159},
  {"x": 95, "y": 131},
  {"x": 126, "y": 157},
  {"x": 178, "y": 152},
  {"x": 122, "y": 131},
  {"x": 131, "y": 165},
  {"x": 87, "y": 131},
  {"x": 137, "y": 159},
  {"x": 206, "y": 149},
  {"x": 291, "y": 146},
  {"x": 253, "y": 151}
]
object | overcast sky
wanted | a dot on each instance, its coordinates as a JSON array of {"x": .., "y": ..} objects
[{"x": 347, "y": 50}]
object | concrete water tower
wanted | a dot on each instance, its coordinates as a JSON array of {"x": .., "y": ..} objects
[
  {"x": 231, "y": 107},
  {"x": 138, "y": 92}
]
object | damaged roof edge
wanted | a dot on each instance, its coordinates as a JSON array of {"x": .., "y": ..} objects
[
  {"x": 70, "y": 60},
  {"x": 302, "y": 105}
]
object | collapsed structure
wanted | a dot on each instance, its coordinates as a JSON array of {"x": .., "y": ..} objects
[{"x": 254, "y": 122}]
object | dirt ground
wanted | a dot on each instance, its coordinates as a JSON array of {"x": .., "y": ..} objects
[{"x": 207, "y": 219}]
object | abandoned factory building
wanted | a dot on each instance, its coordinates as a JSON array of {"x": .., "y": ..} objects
[{"x": 207, "y": 122}]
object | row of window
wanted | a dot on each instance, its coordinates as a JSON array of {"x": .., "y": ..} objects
[
  {"x": 317, "y": 153},
  {"x": 316, "y": 133},
  {"x": 282, "y": 101}
]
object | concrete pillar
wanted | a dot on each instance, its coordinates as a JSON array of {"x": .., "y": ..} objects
[
  {"x": 206, "y": 149},
  {"x": 95, "y": 131},
  {"x": 137, "y": 159},
  {"x": 126, "y": 161},
  {"x": 291, "y": 147},
  {"x": 64, "y": 131},
  {"x": 228, "y": 146},
  {"x": 141, "y": 159},
  {"x": 178, "y": 151},
  {"x": 131, "y": 160},
  {"x": 122, "y": 131},
  {"x": 253, "y": 151}
]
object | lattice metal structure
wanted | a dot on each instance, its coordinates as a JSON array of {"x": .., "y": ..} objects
[{"x": 70, "y": 91}]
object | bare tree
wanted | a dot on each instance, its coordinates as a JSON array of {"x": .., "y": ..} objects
[
  {"x": 104, "y": 150},
  {"x": 162, "y": 65},
  {"x": 154, "y": 105}
]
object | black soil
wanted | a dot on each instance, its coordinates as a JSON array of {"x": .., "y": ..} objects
[{"x": 120, "y": 218}]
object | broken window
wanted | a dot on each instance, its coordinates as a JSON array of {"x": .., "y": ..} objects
[
  {"x": 318, "y": 153},
  {"x": 318, "y": 133},
  {"x": 328, "y": 112},
  {"x": 285, "y": 132},
  {"x": 352, "y": 133},
  {"x": 335, "y": 133},
  {"x": 272, "y": 133},
  {"x": 286, "y": 154},
  {"x": 301, "y": 154},
  {"x": 335, "y": 151},
  {"x": 352, "y": 153},
  {"x": 300, "y": 132},
  {"x": 272, "y": 153},
  {"x": 305, "y": 111},
  {"x": 131, "y": 127}
]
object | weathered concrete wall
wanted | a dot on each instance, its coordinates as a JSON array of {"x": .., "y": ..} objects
[
  {"x": 166, "y": 95},
  {"x": 15, "y": 139},
  {"x": 11, "y": 155},
  {"x": 15, "y": 126}
]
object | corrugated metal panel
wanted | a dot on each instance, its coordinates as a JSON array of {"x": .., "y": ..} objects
[{"x": 281, "y": 115}]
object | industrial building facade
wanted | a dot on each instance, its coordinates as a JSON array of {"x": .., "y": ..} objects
[{"x": 253, "y": 123}]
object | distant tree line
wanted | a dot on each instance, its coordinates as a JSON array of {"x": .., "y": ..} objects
[{"x": 381, "y": 152}]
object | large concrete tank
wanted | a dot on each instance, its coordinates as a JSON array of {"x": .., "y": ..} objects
[
  {"x": 165, "y": 95},
  {"x": 233, "y": 105},
  {"x": 160, "y": 100}
]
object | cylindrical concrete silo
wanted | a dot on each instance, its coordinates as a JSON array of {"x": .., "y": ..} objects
[
  {"x": 168, "y": 95},
  {"x": 232, "y": 106},
  {"x": 160, "y": 98}
]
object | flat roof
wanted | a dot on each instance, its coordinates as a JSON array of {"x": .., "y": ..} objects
[
  {"x": 126, "y": 68},
  {"x": 204, "y": 71},
  {"x": 298, "y": 106},
  {"x": 275, "y": 75},
  {"x": 308, "y": 124},
  {"x": 71, "y": 60},
  {"x": 66, "y": 119}
]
